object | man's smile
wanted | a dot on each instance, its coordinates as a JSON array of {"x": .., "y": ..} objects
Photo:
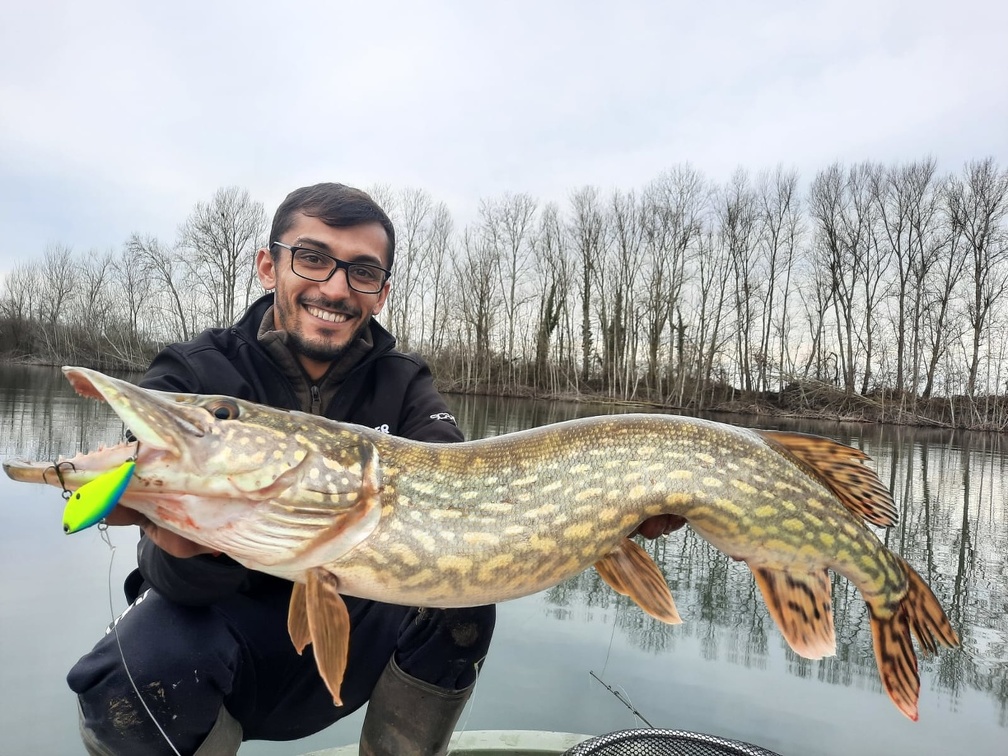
[{"x": 327, "y": 315}]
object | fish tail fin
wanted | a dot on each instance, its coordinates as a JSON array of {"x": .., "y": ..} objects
[
  {"x": 919, "y": 614},
  {"x": 927, "y": 619}
]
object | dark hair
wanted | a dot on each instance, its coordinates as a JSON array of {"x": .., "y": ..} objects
[{"x": 335, "y": 205}]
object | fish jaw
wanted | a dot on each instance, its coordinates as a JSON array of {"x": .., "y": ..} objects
[{"x": 245, "y": 479}]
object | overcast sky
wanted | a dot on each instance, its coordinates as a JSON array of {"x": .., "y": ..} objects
[{"x": 119, "y": 117}]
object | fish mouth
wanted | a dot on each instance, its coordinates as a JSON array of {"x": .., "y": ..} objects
[{"x": 158, "y": 420}]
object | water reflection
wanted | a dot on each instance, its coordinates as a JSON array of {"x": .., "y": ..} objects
[{"x": 949, "y": 487}]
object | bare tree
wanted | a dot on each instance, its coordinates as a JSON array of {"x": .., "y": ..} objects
[
  {"x": 221, "y": 237},
  {"x": 737, "y": 216},
  {"x": 551, "y": 267},
  {"x": 164, "y": 267},
  {"x": 672, "y": 218},
  {"x": 506, "y": 223},
  {"x": 587, "y": 231},
  {"x": 780, "y": 228},
  {"x": 978, "y": 203}
]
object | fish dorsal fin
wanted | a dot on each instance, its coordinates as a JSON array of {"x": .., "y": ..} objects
[
  {"x": 800, "y": 604},
  {"x": 297, "y": 618},
  {"x": 329, "y": 627},
  {"x": 839, "y": 467},
  {"x": 629, "y": 570}
]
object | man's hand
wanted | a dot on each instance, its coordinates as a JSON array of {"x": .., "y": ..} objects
[
  {"x": 173, "y": 543},
  {"x": 659, "y": 525}
]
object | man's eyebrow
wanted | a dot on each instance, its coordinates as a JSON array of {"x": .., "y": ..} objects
[{"x": 321, "y": 246}]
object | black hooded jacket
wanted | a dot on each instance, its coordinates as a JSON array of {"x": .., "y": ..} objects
[{"x": 386, "y": 389}]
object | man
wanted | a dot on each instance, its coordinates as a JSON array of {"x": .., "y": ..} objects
[{"x": 205, "y": 640}]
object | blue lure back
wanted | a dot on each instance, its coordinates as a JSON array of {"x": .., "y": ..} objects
[{"x": 90, "y": 503}]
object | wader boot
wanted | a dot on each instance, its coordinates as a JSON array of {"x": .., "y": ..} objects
[
  {"x": 409, "y": 717},
  {"x": 223, "y": 739}
]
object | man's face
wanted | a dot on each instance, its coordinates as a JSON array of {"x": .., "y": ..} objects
[{"x": 323, "y": 318}]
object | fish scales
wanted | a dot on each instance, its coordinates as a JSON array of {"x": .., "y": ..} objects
[
  {"x": 341, "y": 509},
  {"x": 458, "y": 491}
]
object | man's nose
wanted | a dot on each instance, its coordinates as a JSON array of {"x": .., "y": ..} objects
[{"x": 338, "y": 284}]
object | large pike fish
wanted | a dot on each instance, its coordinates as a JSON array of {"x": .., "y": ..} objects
[{"x": 343, "y": 509}]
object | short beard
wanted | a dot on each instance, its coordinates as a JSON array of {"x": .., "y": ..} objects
[{"x": 323, "y": 352}]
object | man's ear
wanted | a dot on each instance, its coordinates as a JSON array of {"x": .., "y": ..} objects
[{"x": 266, "y": 269}]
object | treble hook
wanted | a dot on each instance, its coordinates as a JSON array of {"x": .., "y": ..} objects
[{"x": 55, "y": 467}]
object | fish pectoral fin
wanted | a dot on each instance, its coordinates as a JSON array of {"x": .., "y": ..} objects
[
  {"x": 629, "y": 571},
  {"x": 297, "y": 618},
  {"x": 329, "y": 627},
  {"x": 839, "y": 467},
  {"x": 801, "y": 605}
]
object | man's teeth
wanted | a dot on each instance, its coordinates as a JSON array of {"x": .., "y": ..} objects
[{"x": 332, "y": 317}]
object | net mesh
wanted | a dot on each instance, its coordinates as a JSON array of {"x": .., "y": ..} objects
[{"x": 656, "y": 742}]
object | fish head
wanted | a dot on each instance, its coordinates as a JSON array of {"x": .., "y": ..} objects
[{"x": 265, "y": 485}]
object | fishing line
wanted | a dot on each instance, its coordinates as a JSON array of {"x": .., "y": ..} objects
[
  {"x": 103, "y": 529},
  {"x": 470, "y": 706},
  {"x": 621, "y": 697}
]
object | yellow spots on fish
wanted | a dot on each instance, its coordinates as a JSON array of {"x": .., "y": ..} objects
[
  {"x": 707, "y": 459},
  {"x": 300, "y": 454},
  {"x": 580, "y": 469},
  {"x": 447, "y": 535},
  {"x": 480, "y": 539},
  {"x": 526, "y": 481},
  {"x": 515, "y": 530},
  {"x": 313, "y": 473},
  {"x": 496, "y": 508},
  {"x": 423, "y": 577},
  {"x": 350, "y": 496},
  {"x": 551, "y": 487},
  {"x": 729, "y": 507},
  {"x": 793, "y": 524},
  {"x": 403, "y": 553},
  {"x": 629, "y": 520},
  {"x": 468, "y": 495},
  {"x": 425, "y": 540},
  {"x": 827, "y": 540},
  {"x": 543, "y": 545},
  {"x": 587, "y": 493},
  {"x": 712, "y": 482},
  {"x": 490, "y": 569},
  {"x": 743, "y": 487},
  {"x": 636, "y": 492},
  {"x": 546, "y": 510},
  {"x": 645, "y": 451},
  {"x": 765, "y": 511},
  {"x": 580, "y": 531}
]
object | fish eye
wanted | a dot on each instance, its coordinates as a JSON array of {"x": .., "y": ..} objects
[{"x": 223, "y": 409}]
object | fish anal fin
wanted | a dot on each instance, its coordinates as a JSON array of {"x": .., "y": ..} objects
[
  {"x": 629, "y": 571},
  {"x": 840, "y": 468},
  {"x": 802, "y": 608},
  {"x": 297, "y": 618},
  {"x": 329, "y": 625}
]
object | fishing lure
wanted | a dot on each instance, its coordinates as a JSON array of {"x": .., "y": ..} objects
[{"x": 90, "y": 503}]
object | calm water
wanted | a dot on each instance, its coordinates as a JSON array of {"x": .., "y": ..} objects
[{"x": 725, "y": 670}]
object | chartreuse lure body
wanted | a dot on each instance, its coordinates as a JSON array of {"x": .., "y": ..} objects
[{"x": 90, "y": 503}]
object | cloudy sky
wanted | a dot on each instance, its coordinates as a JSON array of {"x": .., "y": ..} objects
[{"x": 119, "y": 116}]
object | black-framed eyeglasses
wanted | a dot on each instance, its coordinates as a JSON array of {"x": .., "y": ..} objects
[{"x": 318, "y": 266}]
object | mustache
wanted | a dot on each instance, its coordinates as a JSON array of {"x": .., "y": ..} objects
[{"x": 339, "y": 306}]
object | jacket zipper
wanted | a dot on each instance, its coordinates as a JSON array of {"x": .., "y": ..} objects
[{"x": 316, "y": 400}]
